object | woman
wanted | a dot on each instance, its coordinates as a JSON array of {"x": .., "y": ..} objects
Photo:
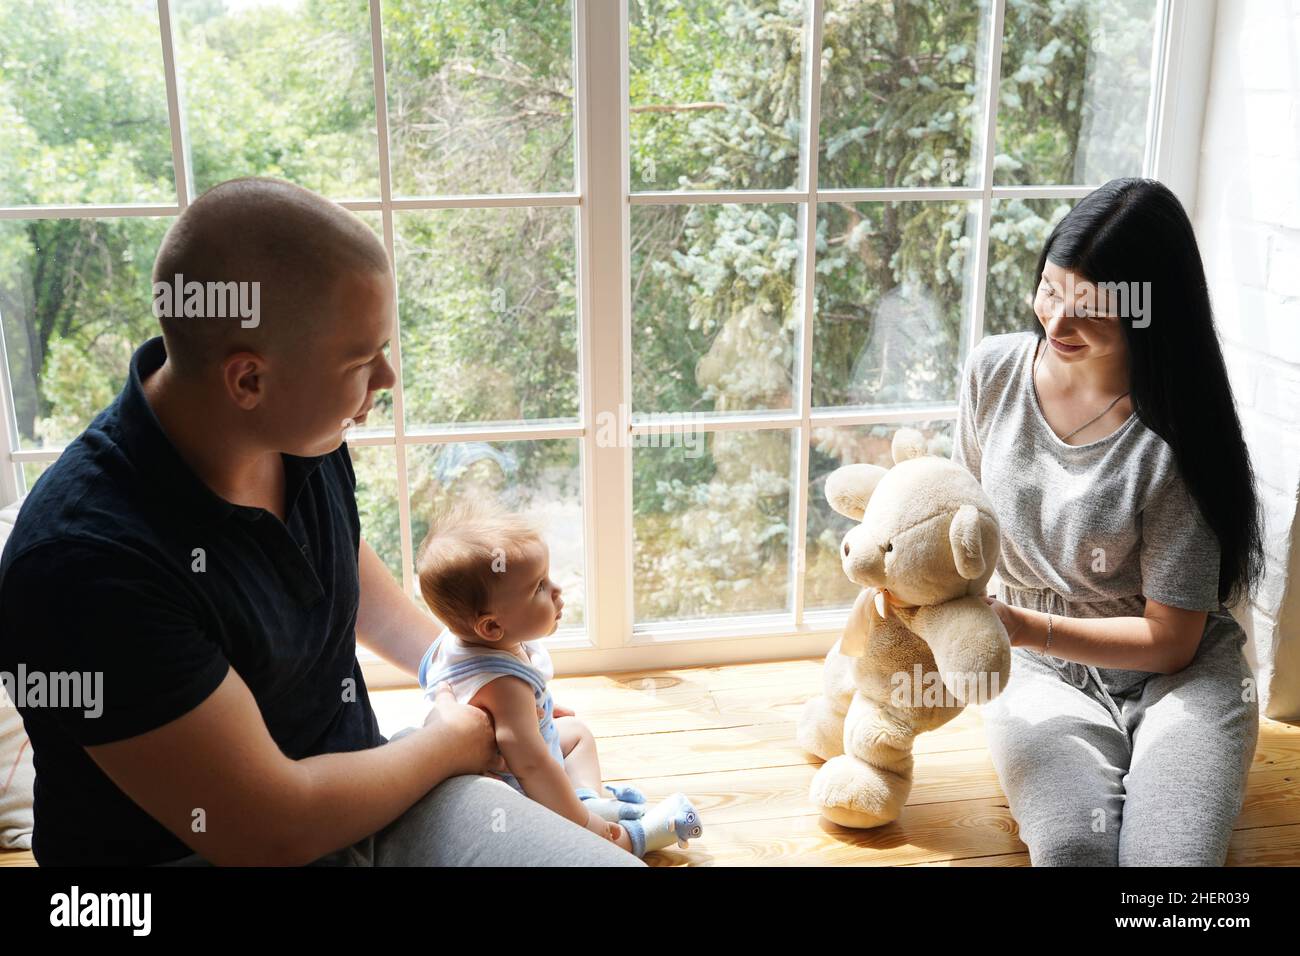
[{"x": 1109, "y": 442}]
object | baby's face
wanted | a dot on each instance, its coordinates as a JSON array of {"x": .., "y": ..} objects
[{"x": 528, "y": 602}]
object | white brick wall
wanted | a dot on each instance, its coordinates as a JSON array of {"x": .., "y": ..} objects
[{"x": 1247, "y": 219}]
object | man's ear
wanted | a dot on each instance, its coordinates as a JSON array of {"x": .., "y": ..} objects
[
  {"x": 849, "y": 488},
  {"x": 967, "y": 544},
  {"x": 243, "y": 376}
]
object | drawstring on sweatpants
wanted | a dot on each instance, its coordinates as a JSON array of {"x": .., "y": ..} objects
[{"x": 1077, "y": 674}]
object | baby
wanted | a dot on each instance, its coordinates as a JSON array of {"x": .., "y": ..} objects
[{"x": 484, "y": 573}]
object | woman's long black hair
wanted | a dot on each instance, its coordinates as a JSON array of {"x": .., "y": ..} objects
[{"x": 1136, "y": 230}]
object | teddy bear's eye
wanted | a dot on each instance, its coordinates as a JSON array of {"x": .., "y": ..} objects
[{"x": 889, "y": 547}]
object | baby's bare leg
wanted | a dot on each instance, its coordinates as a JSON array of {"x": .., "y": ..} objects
[
  {"x": 581, "y": 762},
  {"x": 623, "y": 840},
  {"x": 613, "y": 832}
]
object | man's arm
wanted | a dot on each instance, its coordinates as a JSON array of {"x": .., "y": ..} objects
[
  {"x": 388, "y": 622},
  {"x": 260, "y": 808}
]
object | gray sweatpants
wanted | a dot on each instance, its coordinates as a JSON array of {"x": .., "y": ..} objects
[
  {"x": 1152, "y": 776},
  {"x": 474, "y": 821}
]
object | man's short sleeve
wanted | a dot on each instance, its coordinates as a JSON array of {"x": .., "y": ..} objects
[
  {"x": 966, "y": 449},
  {"x": 1180, "y": 552},
  {"x": 113, "y": 618}
]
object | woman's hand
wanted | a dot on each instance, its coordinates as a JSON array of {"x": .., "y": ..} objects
[
  {"x": 1010, "y": 617},
  {"x": 470, "y": 730}
]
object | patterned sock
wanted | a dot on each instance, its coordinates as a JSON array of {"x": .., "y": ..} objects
[
  {"x": 672, "y": 821},
  {"x": 628, "y": 803}
]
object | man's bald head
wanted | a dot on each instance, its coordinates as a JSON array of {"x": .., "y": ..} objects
[{"x": 295, "y": 244}]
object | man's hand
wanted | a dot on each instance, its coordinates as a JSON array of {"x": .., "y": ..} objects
[{"x": 470, "y": 729}]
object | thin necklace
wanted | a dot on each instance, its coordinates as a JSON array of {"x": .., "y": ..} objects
[{"x": 1034, "y": 371}]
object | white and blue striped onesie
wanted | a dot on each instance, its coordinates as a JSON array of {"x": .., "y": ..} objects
[{"x": 468, "y": 667}]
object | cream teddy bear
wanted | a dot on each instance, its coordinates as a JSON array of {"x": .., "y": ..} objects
[{"x": 920, "y": 643}]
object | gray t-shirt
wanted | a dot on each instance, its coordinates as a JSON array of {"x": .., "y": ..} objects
[{"x": 1087, "y": 530}]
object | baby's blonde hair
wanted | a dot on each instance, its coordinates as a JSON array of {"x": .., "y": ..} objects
[{"x": 470, "y": 547}]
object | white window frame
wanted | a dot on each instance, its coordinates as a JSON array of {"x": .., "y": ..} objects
[{"x": 610, "y": 641}]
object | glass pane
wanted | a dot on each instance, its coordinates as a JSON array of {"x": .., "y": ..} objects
[
  {"x": 539, "y": 478},
  {"x": 1017, "y": 230},
  {"x": 376, "y": 470},
  {"x": 711, "y": 523},
  {"x": 480, "y": 95},
  {"x": 75, "y": 302},
  {"x": 902, "y": 93},
  {"x": 83, "y": 104},
  {"x": 488, "y": 302},
  {"x": 893, "y": 285},
  {"x": 715, "y": 93},
  {"x": 31, "y": 471},
  {"x": 713, "y": 307},
  {"x": 1076, "y": 85},
  {"x": 279, "y": 88},
  {"x": 825, "y": 585}
]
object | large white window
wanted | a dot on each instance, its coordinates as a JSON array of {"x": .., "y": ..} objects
[{"x": 662, "y": 265}]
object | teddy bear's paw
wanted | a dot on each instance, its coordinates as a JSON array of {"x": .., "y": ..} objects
[
  {"x": 853, "y": 794},
  {"x": 881, "y": 738},
  {"x": 820, "y": 730}
]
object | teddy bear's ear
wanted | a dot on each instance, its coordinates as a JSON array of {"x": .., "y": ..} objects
[
  {"x": 908, "y": 443},
  {"x": 967, "y": 545},
  {"x": 849, "y": 488}
]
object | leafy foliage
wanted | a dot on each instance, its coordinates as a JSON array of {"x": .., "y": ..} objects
[{"x": 481, "y": 100}]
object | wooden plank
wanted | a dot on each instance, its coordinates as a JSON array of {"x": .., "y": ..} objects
[
  {"x": 773, "y": 745},
  {"x": 922, "y": 833}
]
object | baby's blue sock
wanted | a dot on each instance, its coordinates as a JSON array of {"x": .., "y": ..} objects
[
  {"x": 628, "y": 803},
  {"x": 672, "y": 821}
]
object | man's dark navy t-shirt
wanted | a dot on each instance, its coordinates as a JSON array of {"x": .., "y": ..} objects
[{"x": 123, "y": 562}]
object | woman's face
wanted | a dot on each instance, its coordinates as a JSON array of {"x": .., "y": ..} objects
[{"x": 1072, "y": 315}]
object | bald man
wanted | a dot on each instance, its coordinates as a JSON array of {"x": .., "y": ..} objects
[{"x": 197, "y": 550}]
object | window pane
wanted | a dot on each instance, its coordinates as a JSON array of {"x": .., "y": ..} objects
[
  {"x": 825, "y": 585},
  {"x": 83, "y": 104},
  {"x": 1018, "y": 228},
  {"x": 711, "y": 520},
  {"x": 279, "y": 88},
  {"x": 376, "y": 470},
  {"x": 542, "y": 479},
  {"x": 893, "y": 284},
  {"x": 480, "y": 95},
  {"x": 489, "y": 314},
  {"x": 902, "y": 93},
  {"x": 75, "y": 301},
  {"x": 31, "y": 472},
  {"x": 715, "y": 93},
  {"x": 713, "y": 313},
  {"x": 1075, "y": 90}
]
